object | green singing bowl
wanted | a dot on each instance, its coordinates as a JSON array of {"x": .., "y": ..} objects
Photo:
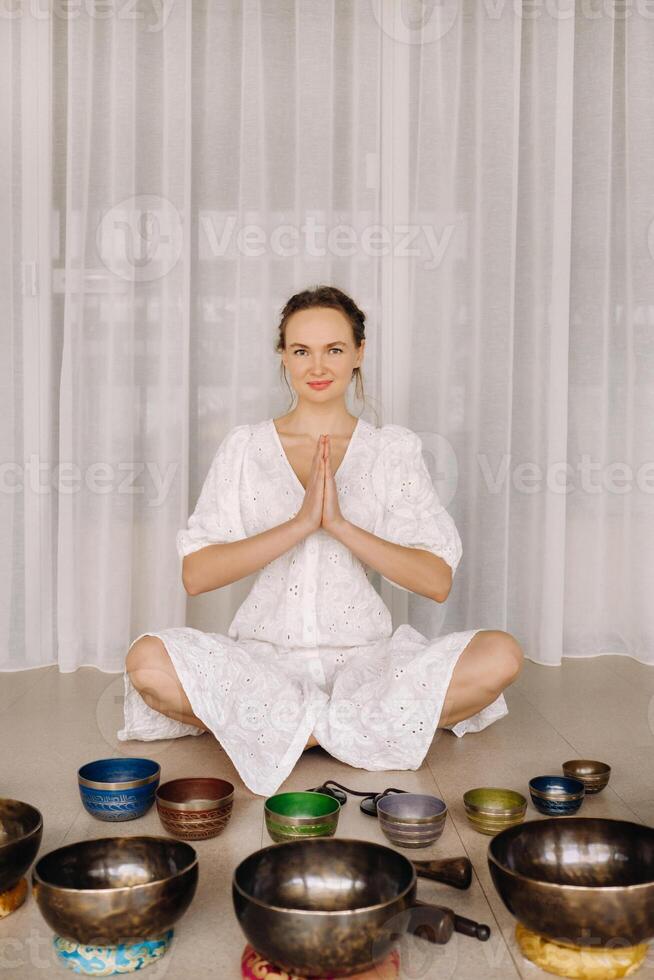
[
  {"x": 21, "y": 829},
  {"x": 290, "y": 816},
  {"x": 490, "y": 810},
  {"x": 579, "y": 881},
  {"x": 116, "y": 889}
]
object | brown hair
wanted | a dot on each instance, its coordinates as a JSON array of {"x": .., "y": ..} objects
[{"x": 336, "y": 299}]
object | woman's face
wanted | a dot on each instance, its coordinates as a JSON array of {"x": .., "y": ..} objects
[{"x": 320, "y": 347}]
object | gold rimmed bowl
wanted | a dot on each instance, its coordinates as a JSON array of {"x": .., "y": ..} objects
[
  {"x": 115, "y": 890},
  {"x": 556, "y": 796},
  {"x": 411, "y": 819},
  {"x": 582, "y": 881},
  {"x": 594, "y": 775},
  {"x": 118, "y": 789},
  {"x": 290, "y": 816},
  {"x": 195, "y": 808},
  {"x": 490, "y": 809}
]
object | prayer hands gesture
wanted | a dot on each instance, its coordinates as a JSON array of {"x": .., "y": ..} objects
[{"x": 320, "y": 506}]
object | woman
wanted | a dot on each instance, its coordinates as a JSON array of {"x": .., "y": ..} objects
[{"x": 311, "y": 502}]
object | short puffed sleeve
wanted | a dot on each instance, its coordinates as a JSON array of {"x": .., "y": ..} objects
[
  {"x": 411, "y": 513},
  {"x": 217, "y": 515}
]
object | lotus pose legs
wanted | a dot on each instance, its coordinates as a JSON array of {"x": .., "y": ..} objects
[
  {"x": 152, "y": 673},
  {"x": 490, "y": 662}
]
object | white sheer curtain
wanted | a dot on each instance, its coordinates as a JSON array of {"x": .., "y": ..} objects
[{"x": 475, "y": 175}]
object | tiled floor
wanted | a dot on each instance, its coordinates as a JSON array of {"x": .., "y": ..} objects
[{"x": 51, "y": 723}]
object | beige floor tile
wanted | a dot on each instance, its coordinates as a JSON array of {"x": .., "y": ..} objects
[
  {"x": 14, "y": 684},
  {"x": 640, "y": 675},
  {"x": 585, "y": 700}
]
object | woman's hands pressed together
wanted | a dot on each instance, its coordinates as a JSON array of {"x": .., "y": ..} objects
[
  {"x": 331, "y": 512},
  {"x": 320, "y": 505}
]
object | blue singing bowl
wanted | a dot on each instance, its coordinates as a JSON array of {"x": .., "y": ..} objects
[
  {"x": 556, "y": 796},
  {"x": 118, "y": 789}
]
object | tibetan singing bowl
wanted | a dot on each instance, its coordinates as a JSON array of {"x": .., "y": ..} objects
[
  {"x": 411, "y": 819},
  {"x": 118, "y": 789},
  {"x": 332, "y": 907},
  {"x": 490, "y": 809},
  {"x": 594, "y": 775},
  {"x": 556, "y": 796},
  {"x": 195, "y": 808},
  {"x": 116, "y": 889},
  {"x": 294, "y": 815},
  {"x": 21, "y": 830},
  {"x": 581, "y": 881}
]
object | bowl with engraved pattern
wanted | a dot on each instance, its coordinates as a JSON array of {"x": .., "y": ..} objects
[
  {"x": 291, "y": 816},
  {"x": 118, "y": 789},
  {"x": 556, "y": 796},
  {"x": 195, "y": 808},
  {"x": 593, "y": 774}
]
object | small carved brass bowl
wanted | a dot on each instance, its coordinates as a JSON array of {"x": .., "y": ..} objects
[
  {"x": 580, "y": 882},
  {"x": 290, "y": 816},
  {"x": 115, "y": 890},
  {"x": 21, "y": 830},
  {"x": 411, "y": 819},
  {"x": 594, "y": 775},
  {"x": 195, "y": 809},
  {"x": 556, "y": 796},
  {"x": 490, "y": 809}
]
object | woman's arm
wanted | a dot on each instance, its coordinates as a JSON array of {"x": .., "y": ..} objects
[
  {"x": 414, "y": 569},
  {"x": 221, "y": 564}
]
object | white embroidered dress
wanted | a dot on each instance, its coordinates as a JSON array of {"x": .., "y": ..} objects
[{"x": 311, "y": 649}]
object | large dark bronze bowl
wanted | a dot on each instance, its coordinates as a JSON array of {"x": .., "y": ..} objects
[
  {"x": 582, "y": 881},
  {"x": 21, "y": 830},
  {"x": 116, "y": 889},
  {"x": 330, "y": 906}
]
